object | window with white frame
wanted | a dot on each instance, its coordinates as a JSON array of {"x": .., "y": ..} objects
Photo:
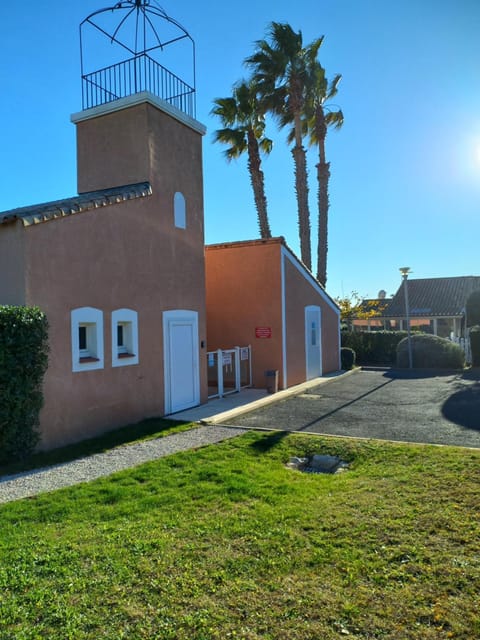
[
  {"x": 179, "y": 211},
  {"x": 124, "y": 337},
  {"x": 87, "y": 339}
]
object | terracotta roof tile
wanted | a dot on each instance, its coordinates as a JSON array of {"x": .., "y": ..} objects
[{"x": 47, "y": 211}]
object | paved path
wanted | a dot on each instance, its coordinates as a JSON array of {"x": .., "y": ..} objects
[
  {"x": 31, "y": 483},
  {"x": 389, "y": 405}
]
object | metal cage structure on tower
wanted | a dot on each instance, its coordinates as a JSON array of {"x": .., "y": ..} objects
[{"x": 140, "y": 37}]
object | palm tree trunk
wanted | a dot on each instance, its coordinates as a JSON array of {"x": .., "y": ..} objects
[
  {"x": 301, "y": 181},
  {"x": 258, "y": 185},
  {"x": 301, "y": 189},
  {"x": 323, "y": 175}
]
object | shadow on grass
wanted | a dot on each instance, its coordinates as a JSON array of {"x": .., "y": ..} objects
[
  {"x": 269, "y": 441},
  {"x": 150, "y": 428}
]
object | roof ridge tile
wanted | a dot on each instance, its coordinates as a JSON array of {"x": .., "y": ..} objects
[{"x": 55, "y": 209}]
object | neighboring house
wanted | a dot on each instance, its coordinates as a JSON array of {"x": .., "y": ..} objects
[
  {"x": 260, "y": 294},
  {"x": 118, "y": 270},
  {"x": 436, "y": 305}
]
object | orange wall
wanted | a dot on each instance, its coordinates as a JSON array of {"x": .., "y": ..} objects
[
  {"x": 244, "y": 292},
  {"x": 128, "y": 255},
  {"x": 301, "y": 293}
]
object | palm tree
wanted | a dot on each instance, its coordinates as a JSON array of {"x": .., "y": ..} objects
[
  {"x": 280, "y": 73},
  {"x": 319, "y": 117},
  {"x": 243, "y": 130}
]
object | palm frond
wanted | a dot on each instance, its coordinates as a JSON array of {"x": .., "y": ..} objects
[
  {"x": 285, "y": 117},
  {"x": 333, "y": 86},
  {"x": 232, "y": 153},
  {"x": 225, "y": 109},
  {"x": 334, "y": 119},
  {"x": 266, "y": 145},
  {"x": 285, "y": 39},
  {"x": 311, "y": 51},
  {"x": 236, "y": 138},
  {"x": 242, "y": 115},
  {"x": 291, "y": 135}
]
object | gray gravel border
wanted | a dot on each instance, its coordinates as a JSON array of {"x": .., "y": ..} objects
[{"x": 31, "y": 483}]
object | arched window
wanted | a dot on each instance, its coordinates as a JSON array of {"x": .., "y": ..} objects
[{"x": 179, "y": 211}]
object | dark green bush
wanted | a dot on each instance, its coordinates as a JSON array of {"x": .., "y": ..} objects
[
  {"x": 23, "y": 362},
  {"x": 347, "y": 357},
  {"x": 475, "y": 345},
  {"x": 373, "y": 347},
  {"x": 430, "y": 352},
  {"x": 472, "y": 309}
]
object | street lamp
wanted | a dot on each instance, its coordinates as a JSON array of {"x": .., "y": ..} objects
[{"x": 405, "y": 271}]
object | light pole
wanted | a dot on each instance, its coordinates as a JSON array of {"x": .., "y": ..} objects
[{"x": 405, "y": 271}]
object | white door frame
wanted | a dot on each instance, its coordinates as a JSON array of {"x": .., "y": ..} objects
[
  {"x": 180, "y": 316},
  {"x": 318, "y": 312}
]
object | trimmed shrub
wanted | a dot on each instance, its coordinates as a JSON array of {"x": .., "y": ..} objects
[
  {"x": 373, "y": 347},
  {"x": 430, "y": 352},
  {"x": 475, "y": 345},
  {"x": 347, "y": 357},
  {"x": 472, "y": 309},
  {"x": 23, "y": 362}
]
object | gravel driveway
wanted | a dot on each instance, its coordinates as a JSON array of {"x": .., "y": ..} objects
[{"x": 390, "y": 405}]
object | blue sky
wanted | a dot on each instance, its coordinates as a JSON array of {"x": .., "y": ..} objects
[{"x": 405, "y": 186}]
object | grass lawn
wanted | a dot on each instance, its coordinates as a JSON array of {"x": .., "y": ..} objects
[{"x": 226, "y": 542}]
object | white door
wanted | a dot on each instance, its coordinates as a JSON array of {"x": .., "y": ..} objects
[
  {"x": 313, "y": 342},
  {"x": 182, "y": 379}
]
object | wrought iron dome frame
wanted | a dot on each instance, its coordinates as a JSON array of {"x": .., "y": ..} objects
[{"x": 140, "y": 72}]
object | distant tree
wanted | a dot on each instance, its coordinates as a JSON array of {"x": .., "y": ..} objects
[
  {"x": 279, "y": 66},
  {"x": 353, "y": 307},
  {"x": 243, "y": 122}
]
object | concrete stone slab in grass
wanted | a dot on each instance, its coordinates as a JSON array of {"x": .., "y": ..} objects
[{"x": 318, "y": 464}]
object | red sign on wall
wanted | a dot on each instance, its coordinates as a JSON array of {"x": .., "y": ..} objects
[{"x": 263, "y": 332}]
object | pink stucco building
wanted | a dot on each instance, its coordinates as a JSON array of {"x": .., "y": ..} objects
[{"x": 118, "y": 270}]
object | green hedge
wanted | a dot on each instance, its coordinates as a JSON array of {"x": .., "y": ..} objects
[
  {"x": 23, "y": 362},
  {"x": 430, "y": 352},
  {"x": 373, "y": 347},
  {"x": 347, "y": 357},
  {"x": 475, "y": 345},
  {"x": 472, "y": 309}
]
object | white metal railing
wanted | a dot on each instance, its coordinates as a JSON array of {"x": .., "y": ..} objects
[{"x": 229, "y": 370}]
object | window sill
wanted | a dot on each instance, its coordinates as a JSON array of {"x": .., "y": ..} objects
[
  {"x": 126, "y": 355},
  {"x": 87, "y": 359}
]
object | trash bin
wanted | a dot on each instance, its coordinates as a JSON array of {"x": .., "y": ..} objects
[{"x": 271, "y": 381}]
